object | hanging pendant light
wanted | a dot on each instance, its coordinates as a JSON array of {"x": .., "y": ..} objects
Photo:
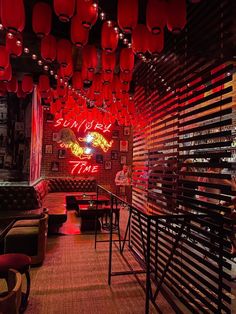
[
  {"x": 87, "y": 11},
  {"x": 4, "y": 58},
  {"x": 126, "y": 60},
  {"x": 110, "y": 36},
  {"x": 89, "y": 57},
  {"x": 140, "y": 39},
  {"x": 13, "y": 15},
  {"x": 64, "y": 9},
  {"x": 156, "y": 16},
  {"x": 49, "y": 48},
  {"x": 176, "y": 15},
  {"x": 108, "y": 61},
  {"x": 127, "y": 15},
  {"x": 27, "y": 84},
  {"x": 79, "y": 35},
  {"x": 12, "y": 85},
  {"x": 42, "y": 19},
  {"x": 64, "y": 52}
]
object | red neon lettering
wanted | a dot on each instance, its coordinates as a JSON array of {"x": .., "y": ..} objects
[
  {"x": 81, "y": 125},
  {"x": 58, "y": 122},
  {"x": 88, "y": 125},
  {"x": 87, "y": 169},
  {"x": 98, "y": 126},
  {"x": 74, "y": 124},
  {"x": 94, "y": 169},
  {"x": 66, "y": 123},
  {"x": 82, "y": 167},
  {"x": 106, "y": 128}
]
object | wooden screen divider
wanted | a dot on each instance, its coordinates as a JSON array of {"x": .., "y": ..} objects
[{"x": 184, "y": 155}]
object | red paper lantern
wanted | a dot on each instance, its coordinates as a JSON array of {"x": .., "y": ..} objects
[
  {"x": 97, "y": 83},
  {"x": 155, "y": 43},
  {"x": 42, "y": 19},
  {"x": 110, "y": 37},
  {"x": 27, "y": 84},
  {"x": 14, "y": 46},
  {"x": 140, "y": 39},
  {"x": 87, "y": 76},
  {"x": 126, "y": 60},
  {"x": 4, "y": 58},
  {"x": 20, "y": 93},
  {"x": 79, "y": 35},
  {"x": 3, "y": 89},
  {"x": 127, "y": 14},
  {"x": 89, "y": 54},
  {"x": 176, "y": 15},
  {"x": 64, "y": 52},
  {"x": 66, "y": 72},
  {"x": 49, "y": 48},
  {"x": 108, "y": 61},
  {"x": 64, "y": 9},
  {"x": 12, "y": 85},
  {"x": 156, "y": 16},
  {"x": 77, "y": 82},
  {"x": 107, "y": 78},
  {"x": 125, "y": 88},
  {"x": 125, "y": 77},
  {"x": 6, "y": 74},
  {"x": 13, "y": 15},
  {"x": 44, "y": 85},
  {"x": 116, "y": 87},
  {"x": 87, "y": 12}
]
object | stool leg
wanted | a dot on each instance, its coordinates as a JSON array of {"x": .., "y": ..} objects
[{"x": 25, "y": 296}]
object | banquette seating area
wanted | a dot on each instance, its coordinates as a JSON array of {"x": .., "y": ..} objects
[{"x": 31, "y": 211}]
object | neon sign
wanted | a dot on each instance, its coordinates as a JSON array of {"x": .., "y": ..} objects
[
  {"x": 82, "y": 167},
  {"x": 97, "y": 140},
  {"x": 83, "y": 125}
]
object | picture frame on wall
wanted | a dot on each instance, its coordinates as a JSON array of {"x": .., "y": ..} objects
[
  {"x": 123, "y": 160},
  {"x": 49, "y": 117},
  {"x": 61, "y": 153},
  {"x": 114, "y": 155},
  {"x": 126, "y": 130},
  {"x": 124, "y": 146},
  {"x": 55, "y": 166},
  {"x": 99, "y": 159},
  {"x": 55, "y": 137},
  {"x": 115, "y": 134},
  {"x": 107, "y": 165},
  {"x": 48, "y": 149}
]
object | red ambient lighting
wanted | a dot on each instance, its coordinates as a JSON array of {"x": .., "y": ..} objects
[
  {"x": 83, "y": 125},
  {"x": 82, "y": 167}
]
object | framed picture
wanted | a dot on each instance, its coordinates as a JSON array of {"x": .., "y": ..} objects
[
  {"x": 61, "y": 153},
  {"x": 48, "y": 149},
  {"x": 54, "y": 166},
  {"x": 107, "y": 165},
  {"x": 55, "y": 137},
  {"x": 124, "y": 146},
  {"x": 49, "y": 117},
  {"x": 99, "y": 159},
  {"x": 114, "y": 155},
  {"x": 123, "y": 160},
  {"x": 115, "y": 134},
  {"x": 126, "y": 130}
]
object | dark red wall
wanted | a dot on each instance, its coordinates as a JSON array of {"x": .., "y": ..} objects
[{"x": 105, "y": 177}]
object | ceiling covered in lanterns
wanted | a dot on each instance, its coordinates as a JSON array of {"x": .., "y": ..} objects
[{"x": 85, "y": 51}]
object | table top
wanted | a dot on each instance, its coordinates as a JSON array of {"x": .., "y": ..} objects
[{"x": 100, "y": 198}]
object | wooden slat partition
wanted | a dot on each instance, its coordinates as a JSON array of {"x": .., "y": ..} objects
[{"x": 183, "y": 153}]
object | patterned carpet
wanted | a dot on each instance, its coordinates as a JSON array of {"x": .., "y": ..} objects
[{"x": 73, "y": 279}]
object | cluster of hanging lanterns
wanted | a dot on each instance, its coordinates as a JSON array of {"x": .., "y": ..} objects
[{"x": 107, "y": 89}]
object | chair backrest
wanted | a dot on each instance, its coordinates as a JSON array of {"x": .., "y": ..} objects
[{"x": 11, "y": 300}]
